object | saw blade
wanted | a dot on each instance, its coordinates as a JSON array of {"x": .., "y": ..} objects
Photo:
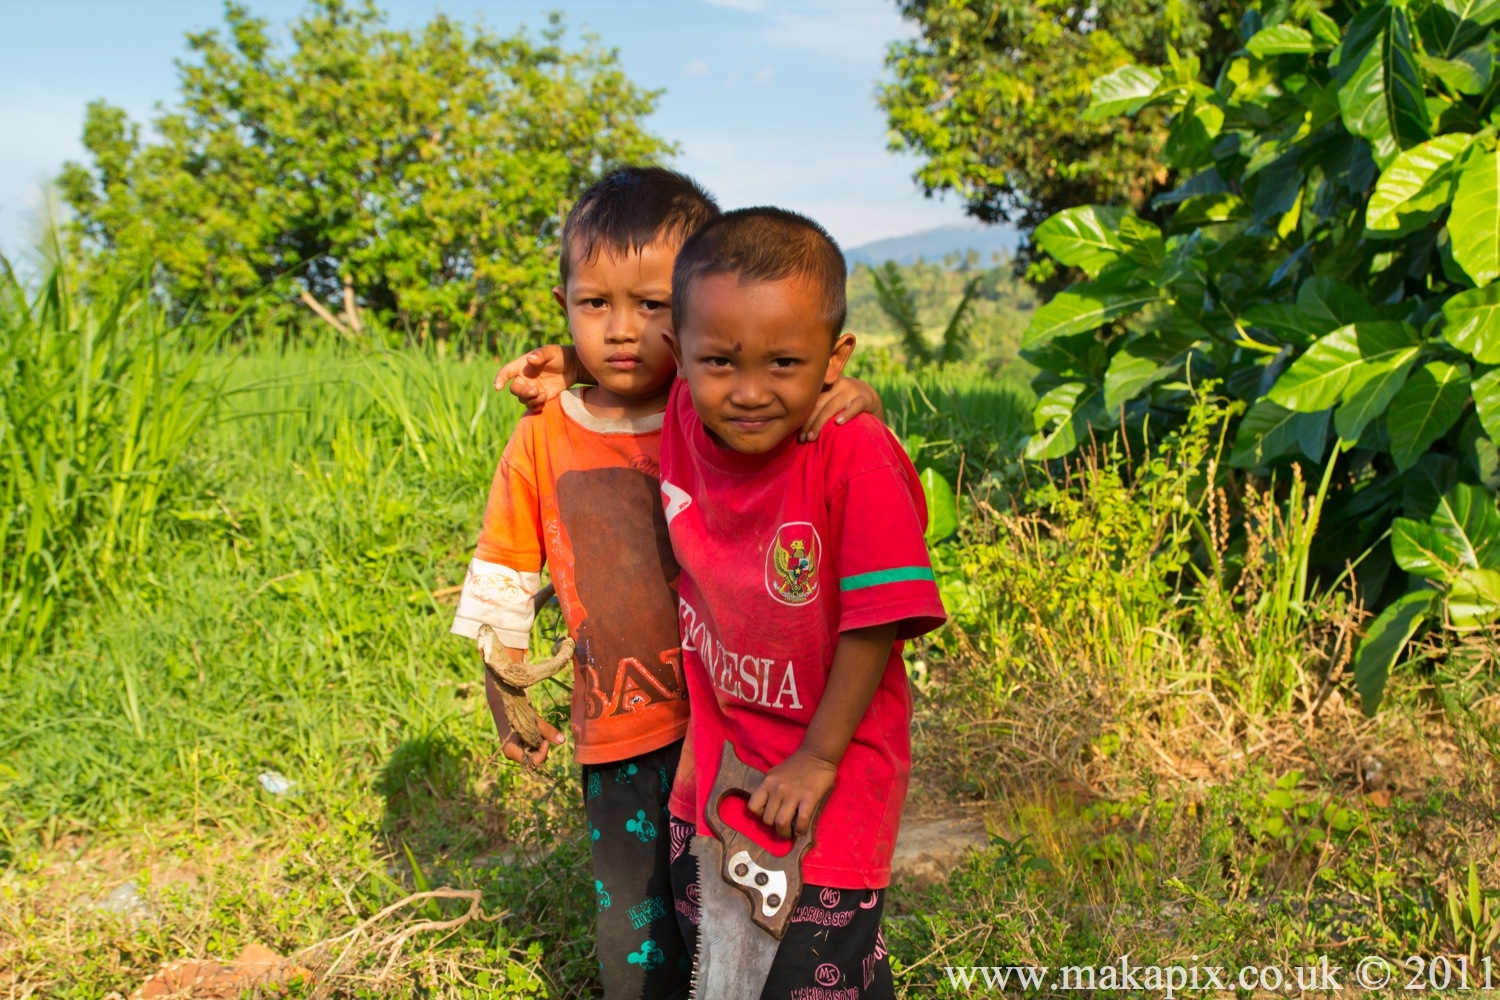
[{"x": 734, "y": 955}]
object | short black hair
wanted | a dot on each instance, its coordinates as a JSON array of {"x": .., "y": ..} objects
[
  {"x": 763, "y": 244},
  {"x": 628, "y": 210}
]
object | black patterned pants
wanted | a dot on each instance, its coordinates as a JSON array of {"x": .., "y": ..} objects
[{"x": 642, "y": 955}]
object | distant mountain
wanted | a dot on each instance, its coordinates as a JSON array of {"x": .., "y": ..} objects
[{"x": 934, "y": 244}]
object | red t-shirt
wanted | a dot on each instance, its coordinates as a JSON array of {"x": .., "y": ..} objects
[{"x": 780, "y": 553}]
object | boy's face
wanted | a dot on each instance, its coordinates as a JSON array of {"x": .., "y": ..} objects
[
  {"x": 755, "y": 358},
  {"x": 617, "y": 309}
]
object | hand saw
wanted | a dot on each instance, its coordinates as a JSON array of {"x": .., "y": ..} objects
[{"x": 746, "y": 894}]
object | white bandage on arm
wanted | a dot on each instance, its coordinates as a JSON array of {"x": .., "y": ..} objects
[{"x": 499, "y": 597}]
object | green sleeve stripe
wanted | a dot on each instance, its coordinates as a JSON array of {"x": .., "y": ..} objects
[{"x": 898, "y": 575}]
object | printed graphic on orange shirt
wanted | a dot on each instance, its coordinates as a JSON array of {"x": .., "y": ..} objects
[
  {"x": 623, "y": 569},
  {"x": 792, "y": 563}
]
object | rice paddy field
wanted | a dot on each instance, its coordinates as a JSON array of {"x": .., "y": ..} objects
[{"x": 231, "y": 713}]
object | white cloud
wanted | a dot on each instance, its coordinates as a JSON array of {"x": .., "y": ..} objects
[
  {"x": 696, "y": 67},
  {"x": 762, "y": 76},
  {"x": 753, "y": 6},
  {"x": 846, "y": 29}
]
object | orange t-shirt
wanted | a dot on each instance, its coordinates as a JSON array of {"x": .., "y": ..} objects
[{"x": 582, "y": 494}]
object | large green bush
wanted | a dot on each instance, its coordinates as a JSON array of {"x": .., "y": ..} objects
[
  {"x": 416, "y": 176},
  {"x": 1329, "y": 258}
]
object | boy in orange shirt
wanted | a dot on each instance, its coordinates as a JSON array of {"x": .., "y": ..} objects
[{"x": 578, "y": 489}]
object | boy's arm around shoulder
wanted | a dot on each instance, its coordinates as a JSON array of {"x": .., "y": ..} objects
[
  {"x": 541, "y": 375},
  {"x": 841, "y": 402}
]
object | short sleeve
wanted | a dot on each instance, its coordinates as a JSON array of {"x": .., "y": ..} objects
[
  {"x": 878, "y": 520},
  {"x": 512, "y": 532}
]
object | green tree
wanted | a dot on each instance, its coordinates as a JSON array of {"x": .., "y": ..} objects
[
  {"x": 899, "y": 303},
  {"x": 990, "y": 94},
  {"x": 1331, "y": 260},
  {"x": 418, "y": 175}
]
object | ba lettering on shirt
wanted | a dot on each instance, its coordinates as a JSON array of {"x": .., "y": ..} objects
[{"x": 779, "y": 554}]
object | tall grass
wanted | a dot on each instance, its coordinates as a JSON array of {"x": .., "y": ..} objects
[
  {"x": 98, "y": 403},
  {"x": 956, "y": 417}
]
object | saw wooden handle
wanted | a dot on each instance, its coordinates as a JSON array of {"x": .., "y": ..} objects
[{"x": 772, "y": 884}]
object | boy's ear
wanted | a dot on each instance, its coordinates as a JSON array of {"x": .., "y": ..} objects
[
  {"x": 670, "y": 336},
  {"x": 843, "y": 347},
  {"x": 561, "y": 298}
]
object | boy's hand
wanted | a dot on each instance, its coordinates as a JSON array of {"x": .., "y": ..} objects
[
  {"x": 539, "y": 375},
  {"x": 510, "y": 743},
  {"x": 842, "y": 402},
  {"x": 792, "y": 791}
]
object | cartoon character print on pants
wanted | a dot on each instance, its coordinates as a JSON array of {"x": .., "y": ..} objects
[
  {"x": 628, "y": 640},
  {"x": 604, "y": 899},
  {"x": 648, "y": 956},
  {"x": 641, "y": 827}
]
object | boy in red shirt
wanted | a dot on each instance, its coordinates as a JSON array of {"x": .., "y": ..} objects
[
  {"x": 803, "y": 569},
  {"x": 577, "y": 490}
]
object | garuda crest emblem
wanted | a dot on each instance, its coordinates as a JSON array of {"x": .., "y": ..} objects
[{"x": 792, "y": 563}]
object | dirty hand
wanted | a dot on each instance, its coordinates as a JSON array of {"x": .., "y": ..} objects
[
  {"x": 792, "y": 791},
  {"x": 539, "y": 375},
  {"x": 510, "y": 741},
  {"x": 842, "y": 402}
]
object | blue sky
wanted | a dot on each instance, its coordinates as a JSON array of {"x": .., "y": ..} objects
[{"x": 772, "y": 101}]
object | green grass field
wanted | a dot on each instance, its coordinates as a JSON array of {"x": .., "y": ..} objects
[{"x": 261, "y": 595}]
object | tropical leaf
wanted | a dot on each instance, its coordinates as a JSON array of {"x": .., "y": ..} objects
[
  {"x": 1289, "y": 322},
  {"x": 1426, "y": 407},
  {"x": 1368, "y": 395},
  {"x": 1471, "y": 323},
  {"x": 1423, "y": 550},
  {"x": 1486, "y": 393},
  {"x": 1142, "y": 241},
  {"x": 1418, "y": 184},
  {"x": 1269, "y": 431},
  {"x": 1123, "y": 92},
  {"x": 1479, "y": 12},
  {"x": 1190, "y": 138},
  {"x": 1283, "y": 39},
  {"x": 1143, "y": 362},
  {"x": 942, "y": 506},
  {"x": 1082, "y": 308},
  {"x": 1085, "y": 237},
  {"x": 1317, "y": 379},
  {"x": 1386, "y": 637},
  {"x": 1380, "y": 90},
  {"x": 1466, "y": 515},
  {"x": 1207, "y": 210},
  {"x": 1473, "y": 599},
  {"x": 1474, "y": 223},
  {"x": 1334, "y": 302},
  {"x": 1325, "y": 30},
  {"x": 1466, "y": 73},
  {"x": 1061, "y": 418}
]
